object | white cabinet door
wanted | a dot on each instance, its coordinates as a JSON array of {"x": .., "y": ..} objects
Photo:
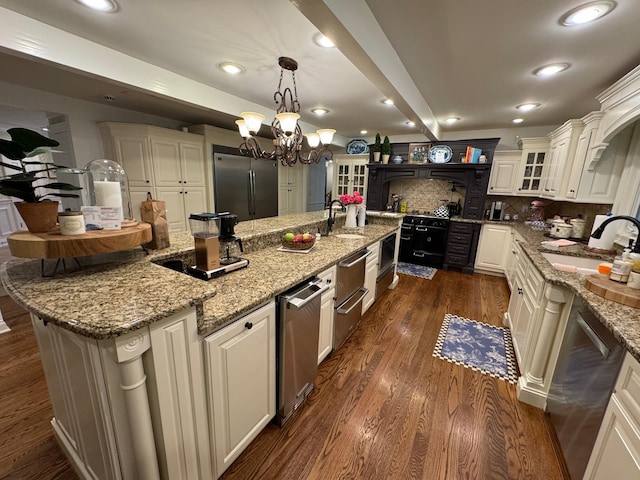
[
  {"x": 513, "y": 257},
  {"x": 192, "y": 164},
  {"x": 532, "y": 164},
  {"x": 370, "y": 276},
  {"x": 174, "y": 199},
  {"x": 241, "y": 369},
  {"x": 195, "y": 201},
  {"x": 177, "y": 372},
  {"x": 350, "y": 174},
  {"x": 503, "y": 172},
  {"x": 132, "y": 153},
  {"x": 582, "y": 149},
  {"x": 325, "y": 339},
  {"x": 554, "y": 174},
  {"x": 493, "y": 247},
  {"x": 616, "y": 453},
  {"x": 166, "y": 159},
  {"x": 139, "y": 195}
]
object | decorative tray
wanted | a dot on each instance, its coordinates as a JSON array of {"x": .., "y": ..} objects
[
  {"x": 357, "y": 146},
  {"x": 440, "y": 154}
]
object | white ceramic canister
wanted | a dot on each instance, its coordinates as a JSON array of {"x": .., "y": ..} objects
[
  {"x": 634, "y": 280},
  {"x": 71, "y": 223},
  {"x": 577, "y": 225},
  {"x": 561, "y": 230}
]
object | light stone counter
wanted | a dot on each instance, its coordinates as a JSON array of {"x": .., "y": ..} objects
[
  {"x": 132, "y": 291},
  {"x": 621, "y": 320}
]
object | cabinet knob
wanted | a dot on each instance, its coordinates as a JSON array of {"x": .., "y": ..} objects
[
  {"x": 248, "y": 325},
  {"x": 185, "y": 182},
  {"x": 491, "y": 188},
  {"x": 514, "y": 252},
  {"x": 179, "y": 181},
  {"x": 520, "y": 292},
  {"x": 572, "y": 191},
  {"x": 186, "y": 193},
  {"x": 328, "y": 280},
  {"x": 147, "y": 181}
]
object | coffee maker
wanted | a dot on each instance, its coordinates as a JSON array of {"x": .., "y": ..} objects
[
  {"x": 229, "y": 243},
  {"x": 215, "y": 243}
]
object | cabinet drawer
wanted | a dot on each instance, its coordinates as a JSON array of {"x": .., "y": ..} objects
[
  {"x": 458, "y": 227},
  {"x": 458, "y": 249},
  {"x": 460, "y": 238},
  {"x": 459, "y": 260},
  {"x": 534, "y": 282}
]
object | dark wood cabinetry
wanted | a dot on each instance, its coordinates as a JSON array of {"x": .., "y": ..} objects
[
  {"x": 462, "y": 243},
  {"x": 473, "y": 176}
]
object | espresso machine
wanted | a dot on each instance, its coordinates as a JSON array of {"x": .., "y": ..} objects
[{"x": 215, "y": 242}]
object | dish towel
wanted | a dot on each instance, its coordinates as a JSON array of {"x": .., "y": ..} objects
[{"x": 558, "y": 243}]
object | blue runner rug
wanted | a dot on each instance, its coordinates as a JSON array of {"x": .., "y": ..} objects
[
  {"x": 416, "y": 270},
  {"x": 481, "y": 347}
]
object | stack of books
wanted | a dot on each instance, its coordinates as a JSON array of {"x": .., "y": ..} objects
[{"x": 473, "y": 155}]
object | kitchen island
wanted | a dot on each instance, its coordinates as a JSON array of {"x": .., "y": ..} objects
[{"x": 128, "y": 347}]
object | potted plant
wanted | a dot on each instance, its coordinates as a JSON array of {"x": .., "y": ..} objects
[
  {"x": 38, "y": 212},
  {"x": 377, "y": 148},
  {"x": 386, "y": 150}
]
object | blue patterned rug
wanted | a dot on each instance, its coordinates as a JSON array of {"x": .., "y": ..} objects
[
  {"x": 416, "y": 270},
  {"x": 481, "y": 347}
]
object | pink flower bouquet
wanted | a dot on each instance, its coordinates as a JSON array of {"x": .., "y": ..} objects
[{"x": 351, "y": 199}]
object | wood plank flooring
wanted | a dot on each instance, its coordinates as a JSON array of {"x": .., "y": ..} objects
[{"x": 383, "y": 406}]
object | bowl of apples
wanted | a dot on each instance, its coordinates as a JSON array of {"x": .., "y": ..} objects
[{"x": 298, "y": 241}]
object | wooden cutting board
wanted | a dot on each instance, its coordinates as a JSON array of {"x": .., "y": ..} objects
[
  {"x": 617, "y": 292},
  {"x": 25, "y": 244}
]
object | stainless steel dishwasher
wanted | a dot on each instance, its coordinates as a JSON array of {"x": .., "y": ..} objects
[
  {"x": 350, "y": 292},
  {"x": 588, "y": 365},
  {"x": 298, "y": 329}
]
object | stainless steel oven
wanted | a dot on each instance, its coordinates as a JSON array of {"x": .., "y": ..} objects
[
  {"x": 386, "y": 267},
  {"x": 350, "y": 292}
]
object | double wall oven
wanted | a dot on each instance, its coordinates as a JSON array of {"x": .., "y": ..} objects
[{"x": 423, "y": 240}]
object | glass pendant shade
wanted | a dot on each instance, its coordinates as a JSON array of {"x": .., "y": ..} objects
[
  {"x": 252, "y": 120},
  {"x": 326, "y": 135},
  {"x": 313, "y": 139},
  {"x": 242, "y": 128},
  {"x": 288, "y": 122}
]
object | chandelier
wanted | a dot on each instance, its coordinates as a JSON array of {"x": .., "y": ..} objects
[{"x": 287, "y": 134}]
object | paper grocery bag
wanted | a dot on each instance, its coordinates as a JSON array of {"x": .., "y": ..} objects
[{"x": 155, "y": 212}]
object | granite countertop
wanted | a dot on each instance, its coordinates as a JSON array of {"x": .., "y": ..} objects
[
  {"x": 127, "y": 291},
  {"x": 621, "y": 320}
]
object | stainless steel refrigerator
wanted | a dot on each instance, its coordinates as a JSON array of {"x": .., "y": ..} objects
[{"x": 243, "y": 185}]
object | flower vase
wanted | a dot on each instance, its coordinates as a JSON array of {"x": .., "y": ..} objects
[{"x": 352, "y": 216}]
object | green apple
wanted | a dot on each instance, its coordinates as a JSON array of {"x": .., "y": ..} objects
[{"x": 288, "y": 237}]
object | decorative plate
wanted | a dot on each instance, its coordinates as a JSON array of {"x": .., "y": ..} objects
[
  {"x": 357, "y": 146},
  {"x": 440, "y": 154}
]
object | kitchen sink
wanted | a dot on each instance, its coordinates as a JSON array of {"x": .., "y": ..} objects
[
  {"x": 349, "y": 236},
  {"x": 582, "y": 264}
]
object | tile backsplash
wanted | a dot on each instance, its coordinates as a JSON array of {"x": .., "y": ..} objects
[{"x": 425, "y": 195}]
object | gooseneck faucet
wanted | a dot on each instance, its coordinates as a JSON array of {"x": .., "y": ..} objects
[
  {"x": 597, "y": 233},
  {"x": 332, "y": 219}
]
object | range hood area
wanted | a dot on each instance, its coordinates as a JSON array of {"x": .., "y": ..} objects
[{"x": 473, "y": 177}]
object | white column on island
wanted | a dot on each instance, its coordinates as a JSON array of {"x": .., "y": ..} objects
[{"x": 129, "y": 350}]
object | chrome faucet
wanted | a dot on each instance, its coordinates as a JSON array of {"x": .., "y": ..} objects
[
  {"x": 332, "y": 219},
  {"x": 597, "y": 233}
]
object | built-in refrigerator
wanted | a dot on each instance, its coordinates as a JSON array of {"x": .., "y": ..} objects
[{"x": 243, "y": 185}]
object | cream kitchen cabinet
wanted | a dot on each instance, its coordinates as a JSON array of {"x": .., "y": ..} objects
[
  {"x": 169, "y": 164},
  {"x": 133, "y": 406},
  {"x": 503, "y": 172},
  {"x": 532, "y": 164},
  {"x": 370, "y": 276},
  {"x": 350, "y": 174},
  {"x": 562, "y": 148},
  {"x": 537, "y": 316},
  {"x": 241, "y": 372},
  {"x": 493, "y": 248},
  {"x": 616, "y": 453},
  {"x": 513, "y": 258},
  {"x": 290, "y": 190},
  {"x": 325, "y": 338}
]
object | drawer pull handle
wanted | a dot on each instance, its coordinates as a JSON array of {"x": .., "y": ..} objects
[{"x": 248, "y": 325}]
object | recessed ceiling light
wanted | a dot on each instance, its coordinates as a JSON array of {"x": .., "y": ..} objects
[
  {"x": 518, "y": 120},
  {"x": 231, "y": 68},
  {"x": 319, "y": 111},
  {"x": 526, "y": 107},
  {"x": 106, "y": 6},
  {"x": 549, "y": 70},
  {"x": 587, "y": 13},
  {"x": 387, "y": 101},
  {"x": 410, "y": 123},
  {"x": 451, "y": 120},
  {"x": 323, "y": 41},
  {"x": 363, "y": 132}
]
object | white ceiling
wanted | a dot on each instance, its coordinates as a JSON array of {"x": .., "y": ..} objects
[{"x": 435, "y": 58}]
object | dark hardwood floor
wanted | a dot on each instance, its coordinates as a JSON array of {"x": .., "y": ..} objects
[{"x": 383, "y": 406}]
